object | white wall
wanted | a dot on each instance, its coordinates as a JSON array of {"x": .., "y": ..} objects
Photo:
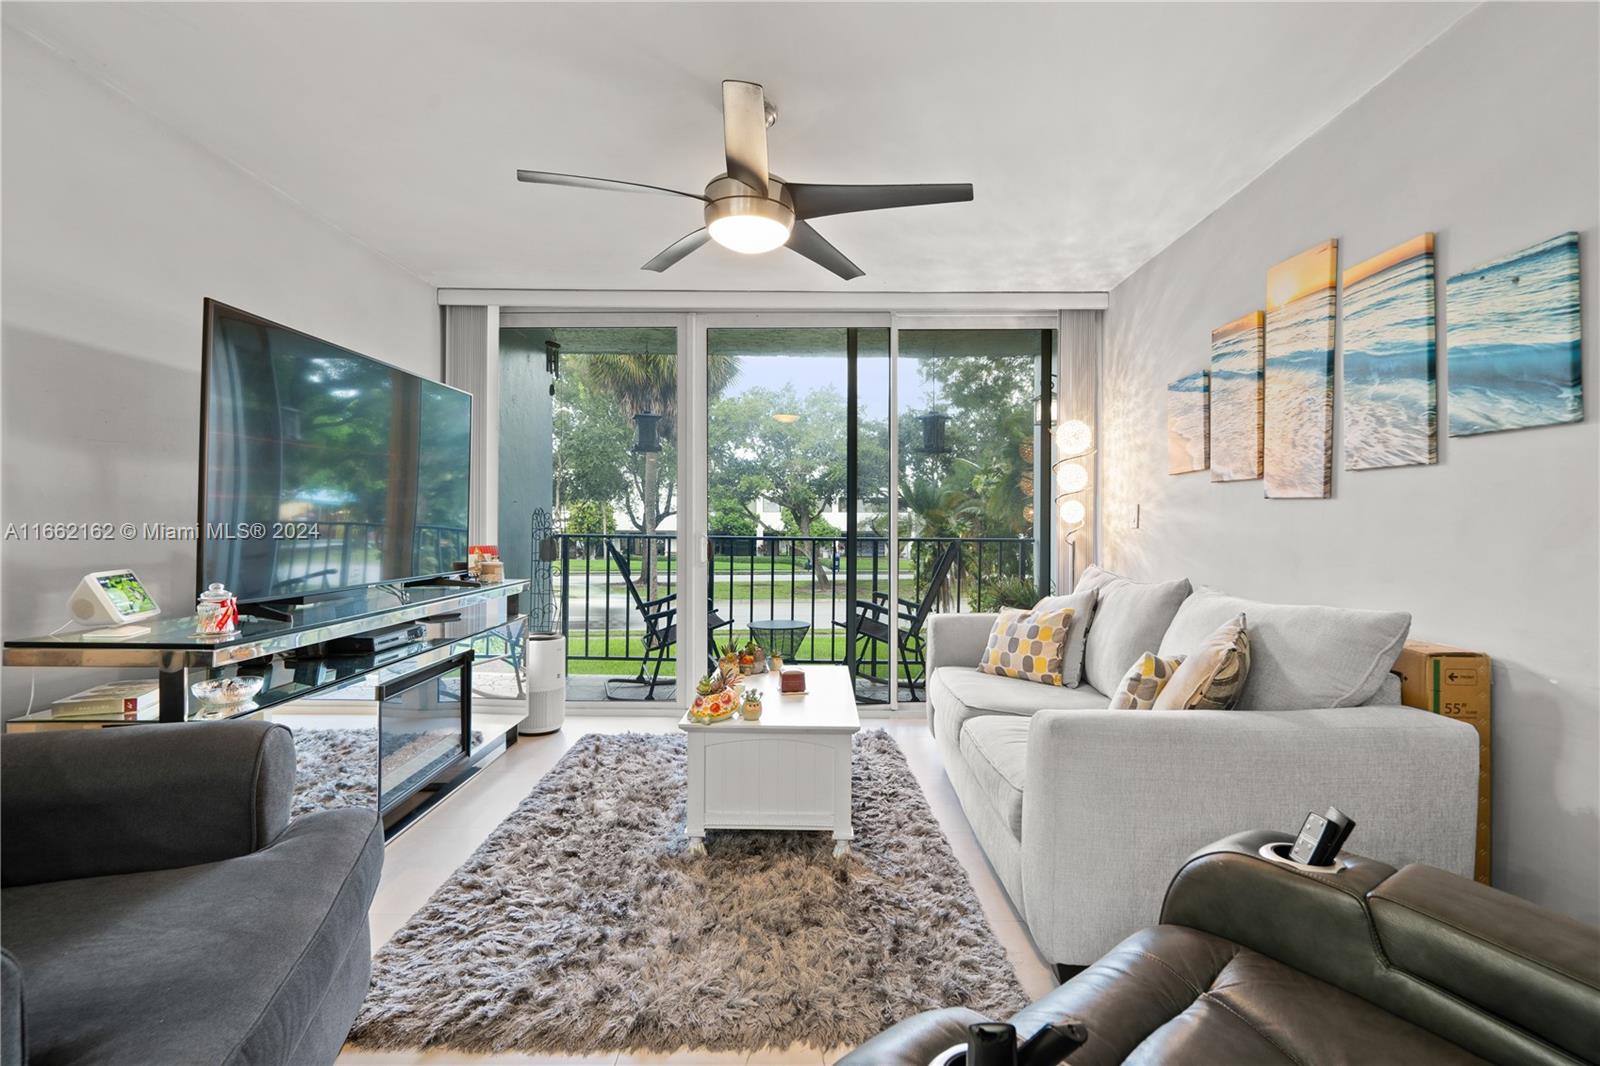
[
  {"x": 115, "y": 230},
  {"x": 1488, "y": 137}
]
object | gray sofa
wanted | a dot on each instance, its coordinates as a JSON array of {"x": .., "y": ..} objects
[
  {"x": 1084, "y": 811},
  {"x": 160, "y": 907}
]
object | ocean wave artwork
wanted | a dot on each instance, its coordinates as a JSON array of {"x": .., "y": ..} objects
[
  {"x": 1514, "y": 345},
  {"x": 1391, "y": 397},
  {"x": 1297, "y": 445},
  {"x": 1188, "y": 423},
  {"x": 1238, "y": 351}
]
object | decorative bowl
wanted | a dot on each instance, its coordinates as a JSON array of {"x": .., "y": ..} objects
[{"x": 226, "y": 691}]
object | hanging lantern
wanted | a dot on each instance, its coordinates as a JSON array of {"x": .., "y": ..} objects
[
  {"x": 933, "y": 442},
  {"x": 647, "y": 440}
]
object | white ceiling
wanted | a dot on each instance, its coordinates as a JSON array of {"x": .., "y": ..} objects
[{"x": 1095, "y": 134}]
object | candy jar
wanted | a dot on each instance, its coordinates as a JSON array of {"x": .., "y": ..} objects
[{"x": 217, "y": 612}]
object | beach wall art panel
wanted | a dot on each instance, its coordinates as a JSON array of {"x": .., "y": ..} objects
[
  {"x": 1391, "y": 398},
  {"x": 1238, "y": 353},
  {"x": 1514, "y": 351},
  {"x": 1188, "y": 423},
  {"x": 1298, "y": 424}
]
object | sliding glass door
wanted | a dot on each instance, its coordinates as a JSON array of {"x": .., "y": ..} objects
[
  {"x": 589, "y": 496},
  {"x": 861, "y": 478},
  {"x": 824, "y": 484},
  {"x": 797, "y": 423}
]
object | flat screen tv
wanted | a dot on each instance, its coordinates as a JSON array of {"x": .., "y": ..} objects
[{"x": 322, "y": 469}]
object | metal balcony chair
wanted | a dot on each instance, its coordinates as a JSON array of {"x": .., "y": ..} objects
[
  {"x": 874, "y": 619},
  {"x": 660, "y": 617}
]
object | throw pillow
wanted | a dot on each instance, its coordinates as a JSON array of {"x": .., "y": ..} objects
[
  {"x": 1027, "y": 645},
  {"x": 1301, "y": 657},
  {"x": 1082, "y": 602},
  {"x": 1212, "y": 676},
  {"x": 1129, "y": 620},
  {"x": 1143, "y": 682}
]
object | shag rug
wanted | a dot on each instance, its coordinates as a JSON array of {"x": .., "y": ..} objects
[
  {"x": 582, "y": 926},
  {"x": 339, "y": 767}
]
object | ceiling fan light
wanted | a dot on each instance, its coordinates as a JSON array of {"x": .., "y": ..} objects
[
  {"x": 748, "y": 224},
  {"x": 749, "y": 234}
]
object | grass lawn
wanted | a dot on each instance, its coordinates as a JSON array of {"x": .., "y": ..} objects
[{"x": 621, "y": 657}]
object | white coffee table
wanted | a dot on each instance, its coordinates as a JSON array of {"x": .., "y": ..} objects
[{"x": 790, "y": 769}]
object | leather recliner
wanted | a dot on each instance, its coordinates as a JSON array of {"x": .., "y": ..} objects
[{"x": 1259, "y": 961}]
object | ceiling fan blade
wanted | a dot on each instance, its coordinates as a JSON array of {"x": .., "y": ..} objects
[
  {"x": 578, "y": 181},
  {"x": 677, "y": 250},
  {"x": 809, "y": 243},
  {"x": 814, "y": 201},
  {"x": 744, "y": 132}
]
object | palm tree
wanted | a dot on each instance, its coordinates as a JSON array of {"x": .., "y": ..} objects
[{"x": 647, "y": 383}]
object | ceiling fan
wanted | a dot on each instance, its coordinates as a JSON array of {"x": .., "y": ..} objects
[{"x": 749, "y": 209}]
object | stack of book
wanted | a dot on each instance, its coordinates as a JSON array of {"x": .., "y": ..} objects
[{"x": 126, "y": 701}]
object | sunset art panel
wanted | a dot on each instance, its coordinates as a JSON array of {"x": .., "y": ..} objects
[
  {"x": 1188, "y": 423},
  {"x": 1238, "y": 351},
  {"x": 1515, "y": 348},
  {"x": 1298, "y": 444},
  {"x": 1390, "y": 359}
]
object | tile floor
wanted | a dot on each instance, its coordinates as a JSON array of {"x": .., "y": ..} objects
[{"x": 425, "y": 855}]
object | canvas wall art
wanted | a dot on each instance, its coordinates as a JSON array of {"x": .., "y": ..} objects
[
  {"x": 1391, "y": 398},
  {"x": 1298, "y": 440},
  {"x": 1188, "y": 423},
  {"x": 1238, "y": 352},
  {"x": 1515, "y": 352}
]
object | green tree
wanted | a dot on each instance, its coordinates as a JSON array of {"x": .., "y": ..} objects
[
  {"x": 646, "y": 383},
  {"x": 592, "y": 442},
  {"x": 989, "y": 402},
  {"x": 590, "y": 518},
  {"x": 799, "y": 464}
]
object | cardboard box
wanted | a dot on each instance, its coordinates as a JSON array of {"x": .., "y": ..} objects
[{"x": 1456, "y": 683}]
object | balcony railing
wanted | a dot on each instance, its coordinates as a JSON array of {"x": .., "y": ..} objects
[{"x": 800, "y": 582}]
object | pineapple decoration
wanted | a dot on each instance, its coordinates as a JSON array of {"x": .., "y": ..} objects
[{"x": 728, "y": 664}]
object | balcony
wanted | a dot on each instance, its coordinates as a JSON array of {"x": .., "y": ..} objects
[{"x": 791, "y": 593}]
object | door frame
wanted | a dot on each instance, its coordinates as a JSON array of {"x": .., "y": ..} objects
[
  {"x": 1032, "y": 311},
  {"x": 1048, "y": 324},
  {"x": 794, "y": 320},
  {"x": 688, "y": 576}
]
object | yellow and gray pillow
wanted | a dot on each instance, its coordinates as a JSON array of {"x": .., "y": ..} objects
[
  {"x": 1143, "y": 682},
  {"x": 1212, "y": 676},
  {"x": 1027, "y": 645}
]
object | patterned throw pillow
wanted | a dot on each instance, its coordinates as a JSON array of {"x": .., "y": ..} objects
[
  {"x": 1027, "y": 644},
  {"x": 1143, "y": 682},
  {"x": 1212, "y": 676}
]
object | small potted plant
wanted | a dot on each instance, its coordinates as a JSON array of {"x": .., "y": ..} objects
[
  {"x": 750, "y": 709},
  {"x": 728, "y": 664}
]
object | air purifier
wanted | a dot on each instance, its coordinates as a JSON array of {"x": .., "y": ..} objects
[{"x": 546, "y": 659}]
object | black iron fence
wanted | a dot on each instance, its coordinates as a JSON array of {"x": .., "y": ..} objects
[{"x": 794, "y": 590}]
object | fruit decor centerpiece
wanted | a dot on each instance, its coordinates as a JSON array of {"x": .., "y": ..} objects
[
  {"x": 716, "y": 698},
  {"x": 752, "y": 658}
]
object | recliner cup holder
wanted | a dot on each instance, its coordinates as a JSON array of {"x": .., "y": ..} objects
[{"x": 1279, "y": 853}]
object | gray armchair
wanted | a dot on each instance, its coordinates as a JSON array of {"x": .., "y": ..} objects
[{"x": 160, "y": 906}]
